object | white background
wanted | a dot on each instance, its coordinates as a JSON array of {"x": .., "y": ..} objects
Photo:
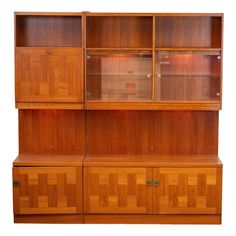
[{"x": 9, "y": 125}]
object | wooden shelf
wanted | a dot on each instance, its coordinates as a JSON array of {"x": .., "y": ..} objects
[
  {"x": 48, "y": 160},
  {"x": 152, "y": 105},
  {"x": 119, "y": 49},
  {"x": 153, "y": 160},
  {"x": 41, "y": 105},
  {"x": 118, "y": 160},
  {"x": 188, "y": 49}
]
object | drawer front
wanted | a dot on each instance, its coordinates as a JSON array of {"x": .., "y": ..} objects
[
  {"x": 44, "y": 190},
  {"x": 187, "y": 190},
  {"x": 117, "y": 190},
  {"x": 49, "y": 75}
]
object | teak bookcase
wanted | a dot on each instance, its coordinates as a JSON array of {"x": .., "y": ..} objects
[{"x": 118, "y": 118}]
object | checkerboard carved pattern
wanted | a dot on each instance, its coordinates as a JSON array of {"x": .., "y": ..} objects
[
  {"x": 187, "y": 190},
  {"x": 52, "y": 190},
  {"x": 117, "y": 190},
  {"x": 50, "y": 75}
]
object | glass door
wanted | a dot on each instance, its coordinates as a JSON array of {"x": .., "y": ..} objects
[
  {"x": 187, "y": 75},
  {"x": 119, "y": 75}
]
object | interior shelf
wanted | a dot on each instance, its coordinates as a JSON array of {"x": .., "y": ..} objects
[
  {"x": 118, "y": 49},
  {"x": 188, "y": 49}
]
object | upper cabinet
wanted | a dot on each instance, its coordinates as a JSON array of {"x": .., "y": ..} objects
[
  {"x": 49, "y": 61},
  {"x": 119, "y": 61},
  {"x": 154, "y": 61}
]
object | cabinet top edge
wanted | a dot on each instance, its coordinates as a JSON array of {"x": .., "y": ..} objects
[
  {"x": 114, "y": 14},
  {"x": 48, "y": 13}
]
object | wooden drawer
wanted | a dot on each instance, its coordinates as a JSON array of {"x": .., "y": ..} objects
[
  {"x": 49, "y": 74},
  {"x": 47, "y": 190}
]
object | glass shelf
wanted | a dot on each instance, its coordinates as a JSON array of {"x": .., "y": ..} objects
[
  {"x": 119, "y": 75},
  {"x": 187, "y": 75}
]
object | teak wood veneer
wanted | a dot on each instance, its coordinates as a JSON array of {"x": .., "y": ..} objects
[{"x": 118, "y": 117}]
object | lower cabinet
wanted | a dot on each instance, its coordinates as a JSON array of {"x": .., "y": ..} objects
[
  {"x": 145, "y": 192},
  {"x": 152, "y": 190},
  {"x": 47, "y": 190}
]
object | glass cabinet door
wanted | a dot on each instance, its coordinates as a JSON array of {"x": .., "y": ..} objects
[
  {"x": 187, "y": 75},
  {"x": 119, "y": 75}
]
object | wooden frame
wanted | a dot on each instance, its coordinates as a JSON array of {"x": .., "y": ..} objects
[{"x": 127, "y": 154}]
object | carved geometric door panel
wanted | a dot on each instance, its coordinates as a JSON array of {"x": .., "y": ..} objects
[
  {"x": 43, "y": 190},
  {"x": 49, "y": 75},
  {"x": 117, "y": 190},
  {"x": 187, "y": 190}
]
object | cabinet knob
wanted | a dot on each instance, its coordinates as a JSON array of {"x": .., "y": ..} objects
[
  {"x": 148, "y": 182},
  {"x": 49, "y": 52},
  {"x": 156, "y": 182}
]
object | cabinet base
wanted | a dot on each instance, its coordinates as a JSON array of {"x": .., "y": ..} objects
[
  {"x": 119, "y": 219},
  {"x": 55, "y": 219}
]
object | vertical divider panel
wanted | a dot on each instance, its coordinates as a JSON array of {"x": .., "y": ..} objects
[
  {"x": 153, "y": 55},
  {"x": 84, "y": 17}
]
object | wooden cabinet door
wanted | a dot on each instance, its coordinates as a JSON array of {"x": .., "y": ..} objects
[
  {"x": 117, "y": 190},
  {"x": 187, "y": 190},
  {"x": 49, "y": 75},
  {"x": 44, "y": 190}
]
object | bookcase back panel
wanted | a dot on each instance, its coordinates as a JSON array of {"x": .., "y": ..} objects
[
  {"x": 33, "y": 31},
  {"x": 51, "y": 132},
  {"x": 116, "y": 31},
  {"x": 151, "y": 132},
  {"x": 202, "y": 31}
]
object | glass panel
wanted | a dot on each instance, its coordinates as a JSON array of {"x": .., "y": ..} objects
[
  {"x": 122, "y": 76},
  {"x": 187, "y": 75}
]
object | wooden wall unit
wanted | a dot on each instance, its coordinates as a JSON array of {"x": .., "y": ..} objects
[{"x": 118, "y": 117}]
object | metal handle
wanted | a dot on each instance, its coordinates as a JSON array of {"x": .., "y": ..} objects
[
  {"x": 156, "y": 182},
  {"x": 158, "y": 76},
  {"x": 148, "y": 182},
  {"x": 16, "y": 184}
]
